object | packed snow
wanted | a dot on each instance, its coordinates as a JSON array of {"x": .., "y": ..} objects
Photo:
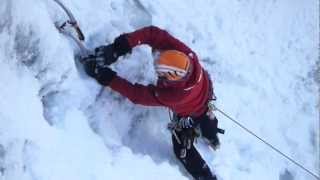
[{"x": 57, "y": 123}]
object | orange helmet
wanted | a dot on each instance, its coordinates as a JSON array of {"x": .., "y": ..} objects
[{"x": 172, "y": 64}]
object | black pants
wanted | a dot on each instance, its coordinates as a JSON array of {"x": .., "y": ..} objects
[{"x": 193, "y": 161}]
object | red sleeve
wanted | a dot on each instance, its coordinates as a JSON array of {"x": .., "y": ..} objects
[
  {"x": 136, "y": 93},
  {"x": 157, "y": 39}
]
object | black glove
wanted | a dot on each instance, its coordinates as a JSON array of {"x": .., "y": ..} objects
[
  {"x": 110, "y": 53},
  {"x": 121, "y": 45},
  {"x": 103, "y": 74},
  {"x": 106, "y": 54},
  {"x": 90, "y": 64}
]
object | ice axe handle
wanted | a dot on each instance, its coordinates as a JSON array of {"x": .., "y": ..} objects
[
  {"x": 79, "y": 32},
  {"x": 75, "y": 25}
]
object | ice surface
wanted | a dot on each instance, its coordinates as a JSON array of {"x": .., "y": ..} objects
[{"x": 56, "y": 123}]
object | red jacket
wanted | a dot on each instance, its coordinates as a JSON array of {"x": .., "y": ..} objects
[{"x": 186, "y": 98}]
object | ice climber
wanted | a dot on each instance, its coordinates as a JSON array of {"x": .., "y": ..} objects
[{"x": 183, "y": 86}]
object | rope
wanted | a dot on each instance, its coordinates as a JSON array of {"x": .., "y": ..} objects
[{"x": 268, "y": 144}]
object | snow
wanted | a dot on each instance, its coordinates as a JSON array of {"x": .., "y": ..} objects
[{"x": 56, "y": 123}]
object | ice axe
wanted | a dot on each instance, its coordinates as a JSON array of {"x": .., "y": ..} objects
[{"x": 72, "y": 23}]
